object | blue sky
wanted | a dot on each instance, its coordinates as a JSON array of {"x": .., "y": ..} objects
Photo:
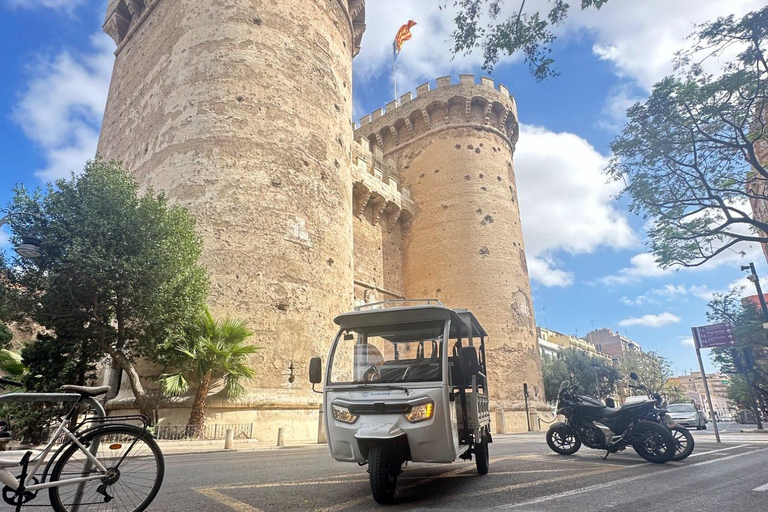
[{"x": 589, "y": 266}]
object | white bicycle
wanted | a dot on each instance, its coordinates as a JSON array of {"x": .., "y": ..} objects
[{"x": 102, "y": 464}]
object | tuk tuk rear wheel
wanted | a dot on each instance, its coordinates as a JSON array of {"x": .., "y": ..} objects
[
  {"x": 383, "y": 468},
  {"x": 481, "y": 454}
]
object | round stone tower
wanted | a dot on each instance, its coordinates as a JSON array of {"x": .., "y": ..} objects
[
  {"x": 453, "y": 146},
  {"x": 240, "y": 111}
]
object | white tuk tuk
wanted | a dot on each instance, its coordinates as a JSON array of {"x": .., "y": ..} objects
[{"x": 405, "y": 383}]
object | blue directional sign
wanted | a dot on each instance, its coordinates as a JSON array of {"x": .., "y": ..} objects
[{"x": 714, "y": 335}]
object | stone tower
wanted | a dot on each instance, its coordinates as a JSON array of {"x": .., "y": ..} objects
[
  {"x": 241, "y": 111},
  {"x": 453, "y": 147}
]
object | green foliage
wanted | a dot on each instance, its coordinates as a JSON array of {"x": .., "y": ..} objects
[
  {"x": 55, "y": 361},
  {"x": 747, "y": 321},
  {"x": 5, "y": 336},
  {"x": 212, "y": 348},
  {"x": 481, "y": 26},
  {"x": 119, "y": 270},
  {"x": 653, "y": 370},
  {"x": 594, "y": 376},
  {"x": 10, "y": 363},
  {"x": 688, "y": 155}
]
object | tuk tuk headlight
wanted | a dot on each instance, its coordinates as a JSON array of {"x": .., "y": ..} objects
[
  {"x": 342, "y": 414},
  {"x": 420, "y": 412}
]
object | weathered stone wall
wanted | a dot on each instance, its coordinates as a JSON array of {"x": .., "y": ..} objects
[
  {"x": 380, "y": 207},
  {"x": 240, "y": 110},
  {"x": 453, "y": 146}
]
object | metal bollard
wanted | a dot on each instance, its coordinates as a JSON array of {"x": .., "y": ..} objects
[
  {"x": 229, "y": 438},
  {"x": 280, "y": 437},
  {"x": 321, "y": 437}
]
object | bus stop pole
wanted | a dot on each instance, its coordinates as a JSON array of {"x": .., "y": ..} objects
[{"x": 695, "y": 333}]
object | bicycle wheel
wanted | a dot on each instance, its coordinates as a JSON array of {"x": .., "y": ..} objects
[{"x": 136, "y": 470}]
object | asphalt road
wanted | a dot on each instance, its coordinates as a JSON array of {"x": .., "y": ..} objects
[{"x": 525, "y": 475}]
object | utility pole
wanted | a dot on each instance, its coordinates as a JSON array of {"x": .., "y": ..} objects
[
  {"x": 756, "y": 280},
  {"x": 695, "y": 332}
]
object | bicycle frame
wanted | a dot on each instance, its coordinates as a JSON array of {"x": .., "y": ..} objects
[
  {"x": 101, "y": 415},
  {"x": 8, "y": 479}
]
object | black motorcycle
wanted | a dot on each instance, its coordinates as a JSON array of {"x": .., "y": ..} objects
[
  {"x": 589, "y": 421},
  {"x": 683, "y": 439}
]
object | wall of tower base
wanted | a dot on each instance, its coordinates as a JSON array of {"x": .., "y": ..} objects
[{"x": 300, "y": 422}]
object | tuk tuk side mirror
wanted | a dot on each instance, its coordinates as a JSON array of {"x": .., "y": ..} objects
[
  {"x": 468, "y": 361},
  {"x": 634, "y": 376},
  {"x": 315, "y": 372}
]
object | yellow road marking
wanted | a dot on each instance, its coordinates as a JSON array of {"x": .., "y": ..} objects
[{"x": 223, "y": 499}]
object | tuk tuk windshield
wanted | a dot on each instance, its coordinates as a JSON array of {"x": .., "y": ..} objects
[{"x": 389, "y": 354}]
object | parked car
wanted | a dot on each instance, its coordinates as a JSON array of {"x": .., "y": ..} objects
[{"x": 687, "y": 415}]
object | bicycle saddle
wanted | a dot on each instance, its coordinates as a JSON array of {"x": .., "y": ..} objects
[{"x": 86, "y": 390}]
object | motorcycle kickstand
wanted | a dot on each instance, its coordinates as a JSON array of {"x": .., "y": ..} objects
[{"x": 607, "y": 453}]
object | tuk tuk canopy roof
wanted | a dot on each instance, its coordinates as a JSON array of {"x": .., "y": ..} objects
[{"x": 461, "y": 319}]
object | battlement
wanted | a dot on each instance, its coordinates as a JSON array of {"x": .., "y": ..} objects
[
  {"x": 448, "y": 104},
  {"x": 376, "y": 186},
  {"x": 124, "y": 17}
]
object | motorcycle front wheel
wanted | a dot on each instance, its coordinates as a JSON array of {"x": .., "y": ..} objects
[
  {"x": 683, "y": 443},
  {"x": 653, "y": 442},
  {"x": 563, "y": 439}
]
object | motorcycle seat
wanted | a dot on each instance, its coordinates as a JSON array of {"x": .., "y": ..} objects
[{"x": 609, "y": 412}]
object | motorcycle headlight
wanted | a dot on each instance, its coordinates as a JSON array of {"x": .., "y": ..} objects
[
  {"x": 342, "y": 414},
  {"x": 421, "y": 412}
]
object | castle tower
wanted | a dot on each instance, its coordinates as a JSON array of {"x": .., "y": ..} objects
[
  {"x": 240, "y": 111},
  {"x": 453, "y": 147}
]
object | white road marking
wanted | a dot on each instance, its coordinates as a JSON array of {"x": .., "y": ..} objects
[
  {"x": 762, "y": 488},
  {"x": 715, "y": 451},
  {"x": 622, "y": 481}
]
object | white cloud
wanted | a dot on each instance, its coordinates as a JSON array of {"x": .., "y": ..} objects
[
  {"x": 641, "y": 38},
  {"x": 641, "y": 265},
  {"x": 425, "y": 57},
  {"x": 63, "y": 103},
  {"x": 542, "y": 270},
  {"x": 65, "y": 5},
  {"x": 614, "y": 113},
  {"x": 659, "y": 320},
  {"x": 4, "y": 238},
  {"x": 687, "y": 342},
  {"x": 565, "y": 202}
]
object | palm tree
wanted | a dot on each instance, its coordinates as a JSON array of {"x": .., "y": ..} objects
[{"x": 211, "y": 349}]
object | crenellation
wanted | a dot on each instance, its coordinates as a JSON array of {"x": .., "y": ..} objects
[
  {"x": 406, "y": 98},
  {"x": 482, "y": 104}
]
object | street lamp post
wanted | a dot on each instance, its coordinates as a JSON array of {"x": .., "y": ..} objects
[
  {"x": 756, "y": 280},
  {"x": 30, "y": 246}
]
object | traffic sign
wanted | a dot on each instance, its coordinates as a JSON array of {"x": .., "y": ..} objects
[{"x": 714, "y": 335}]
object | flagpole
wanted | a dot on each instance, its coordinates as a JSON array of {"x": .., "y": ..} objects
[{"x": 394, "y": 73}]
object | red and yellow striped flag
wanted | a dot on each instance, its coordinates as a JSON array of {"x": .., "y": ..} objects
[{"x": 403, "y": 35}]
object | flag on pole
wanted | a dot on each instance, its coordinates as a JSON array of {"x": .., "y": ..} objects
[{"x": 403, "y": 35}]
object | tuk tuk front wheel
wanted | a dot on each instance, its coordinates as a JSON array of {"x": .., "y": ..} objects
[
  {"x": 481, "y": 454},
  {"x": 383, "y": 468}
]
